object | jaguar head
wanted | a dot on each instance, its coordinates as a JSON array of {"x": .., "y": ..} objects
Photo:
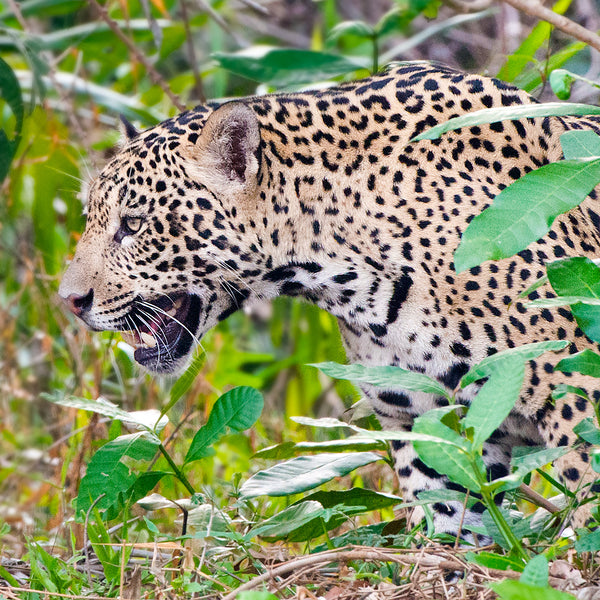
[{"x": 166, "y": 243}]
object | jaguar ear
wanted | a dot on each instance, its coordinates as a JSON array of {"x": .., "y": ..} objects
[
  {"x": 127, "y": 129},
  {"x": 226, "y": 152}
]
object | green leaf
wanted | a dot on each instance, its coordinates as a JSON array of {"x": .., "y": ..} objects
[
  {"x": 536, "y": 571},
  {"x": 586, "y": 362},
  {"x": 289, "y": 449},
  {"x": 580, "y": 144},
  {"x": 150, "y": 419},
  {"x": 517, "y": 590},
  {"x": 562, "y": 389},
  {"x": 255, "y": 595},
  {"x": 563, "y": 301},
  {"x": 384, "y": 376},
  {"x": 588, "y": 542},
  {"x": 358, "y": 28},
  {"x": 495, "y": 399},
  {"x": 561, "y": 82},
  {"x": 526, "y": 463},
  {"x": 455, "y": 461},
  {"x": 588, "y": 431},
  {"x": 492, "y": 560},
  {"x": 389, "y": 23},
  {"x": 354, "y": 500},
  {"x": 526, "y": 352},
  {"x": 238, "y": 409},
  {"x": 111, "y": 472},
  {"x": 291, "y": 520},
  {"x": 383, "y": 435},
  {"x": 286, "y": 67},
  {"x": 578, "y": 276},
  {"x": 513, "y": 113},
  {"x": 10, "y": 92},
  {"x": 304, "y": 473},
  {"x": 524, "y": 211}
]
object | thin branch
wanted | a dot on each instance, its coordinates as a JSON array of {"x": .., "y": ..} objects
[
  {"x": 538, "y": 499},
  {"x": 155, "y": 76},
  {"x": 535, "y": 9},
  {"x": 189, "y": 40}
]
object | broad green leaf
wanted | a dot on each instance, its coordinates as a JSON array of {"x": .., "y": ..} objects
[
  {"x": 358, "y": 28},
  {"x": 580, "y": 144},
  {"x": 454, "y": 461},
  {"x": 185, "y": 381},
  {"x": 384, "y": 435},
  {"x": 111, "y": 471},
  {"x": 286, "y": 67},
  {"x": 297, "y": 518},
  {"x": 524, "y": 211},
  {"x": 519, "y": 526},
  {"x": 238, "y": 409},
  {"x": 304, "y": 473},
  {"x": 588, "y": 542},
  {"x": 526, "y": 463},
  {"x": 146, "y": 419},
  {"x": 562, "y": 389},
  {"x": 578, "y": 276},
  {"x": 10, "y": 92},
  {"x": 561, "y": 82},
  {"x": 588, "y": 431},
  {"x": 586, "y": 362},
  {"x": 388, "y": 23},
  {"x": 288, "y": 449},
  {"x": 510, "y": 589},
  {"x": 44, "y": 8},
  {"x": 384, "y": 376},
  {"x": 495, "y": 399},
  {"x": 513, "y": 113},
  {"x": 536, "y": 571},
  {"x": 353, "y": 500},
  {"x": 563, "y": 301},
  {"x": 595, "y": 462},
  {"x": 255, "y": 595},
  {"x": 492, "y": 560},
  {"x": 526, "y": 352}
]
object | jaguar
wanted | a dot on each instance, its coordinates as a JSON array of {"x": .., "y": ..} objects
[{"x": 325, "y": 196}]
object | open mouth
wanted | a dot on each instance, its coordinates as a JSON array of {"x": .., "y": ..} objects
[{"x": 163, "y": 330}]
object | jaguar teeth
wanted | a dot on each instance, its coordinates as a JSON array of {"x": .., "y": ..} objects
[
  {"x": 148, "y": 340},
  {"x": 177, "y": 304},
  {"x": 130, "y": 338}
]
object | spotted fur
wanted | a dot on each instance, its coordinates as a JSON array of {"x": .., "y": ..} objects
[{"x": 322, "y": 195}]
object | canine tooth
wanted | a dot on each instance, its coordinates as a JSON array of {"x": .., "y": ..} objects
[
  {"x": 177, "y": 304},
  {"x": 148, "y": 339},
  {"x": 130, "y": 338}
]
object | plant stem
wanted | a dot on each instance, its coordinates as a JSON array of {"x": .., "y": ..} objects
[
  {"x": 177, "y": 471},
  {"x": 503, "y": 526},
  {"x": 375, "y": 66}
]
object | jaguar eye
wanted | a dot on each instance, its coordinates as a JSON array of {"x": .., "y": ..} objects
[
  {"x": 129, "y": 226},
  {"x": 132, "y": 224}
]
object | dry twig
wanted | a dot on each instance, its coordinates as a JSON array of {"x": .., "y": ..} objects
[{"x": 566, "y": 25}]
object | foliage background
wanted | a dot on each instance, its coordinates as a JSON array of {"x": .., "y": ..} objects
[{"x": 79, "y": 65}]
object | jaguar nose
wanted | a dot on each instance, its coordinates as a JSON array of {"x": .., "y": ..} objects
[{"x": 79, "y": 304}]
